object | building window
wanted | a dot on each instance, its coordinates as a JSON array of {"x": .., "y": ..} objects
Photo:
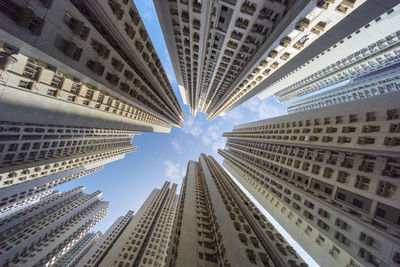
[
  {"x": 71, "y": 98},
  {"x": 75, "y": 88},
  {"x": 25, "y": 84},
  {"x": 51, "y": 92}
]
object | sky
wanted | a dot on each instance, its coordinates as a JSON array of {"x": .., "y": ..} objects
[{"x": 163, "y": 157}]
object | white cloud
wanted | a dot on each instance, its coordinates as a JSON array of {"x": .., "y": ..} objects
[
  {"x": 174, "y": 171},
  {"x": 167, "y": 65},
  {"x": 213, "y": 137},
  {"x": 170, "y": 73},
  {"x": 266, "y": 108},
  {"x": 147, "y": 9},
  {"x": 233, "y": 116},
  {"x": 147, "y": 15},
  {"x": 176, "y": 145},
  {"x": 192, "y": 126}
]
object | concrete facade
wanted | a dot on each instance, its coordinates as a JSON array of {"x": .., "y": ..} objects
[
  {"x": 73, "y": 255},
  {"x": 328, "y": 177},
  {"x": 223, "y": 50},
  {"x": 35, "y": 158},
  {"x": 383, "y": 81},
  {"x": 95, "y": 69},
  {"x": 40, "y": 234},
  {"x": 372, "y": 47},
  {"x": 17, "y": 203},
  {"x": 217, "y": 225},
  {"x": 96, "y": 254},
  {"x": 141, "y": 240},
  {"x": 360, "y": 17}
]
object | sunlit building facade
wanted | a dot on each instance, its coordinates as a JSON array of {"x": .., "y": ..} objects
[
  {"x": 227, "y": 51},
  {"x": 356, "y": 41},
  {"x": 15, "y": 203},
  {"x": 373, "y": 47},
  {"x": 383, "y": 81},
  {"x": 142, "y": 240},
  {"x": 82, "y": 64},
  {"x": 218, "y": 225},
  {"x": 329, "y": 177},
  {"x": 73, "y": 255},
  {"x": 98, "y": 251},
  {"x": 40, "y": 234},
  {"x": 35, "y": 158}
]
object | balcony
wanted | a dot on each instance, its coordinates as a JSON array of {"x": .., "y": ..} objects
[
  {"x": 386, "y": 189},
  {"x": 196, "y": 37},
  {"x": 285, "y": 42},
  {"x": 248, "y": 8},
  {"x": 343, "y": 139},
  {"x": 186, "y": 31},
  {"x": 116, "y": 8},
  {"x": 236, "y": 35},
  {"x": 266, "y": 72},
  {"x": 143, "y": 34},
  {"x": 96, "y": 67},
  {"x": 365, "y": 140},
  {"x": 324, "y": 4},
  {"x": 232, "y": 45},
  {"x": 72, "y": 50},
  {"x": 117, "y": 64},
  {"x": 274, "y": 65},
  {"x": 318, "y": 28},
  {"x": 103, "y": 51},
  {"x": 240, "y": 23},
  {"x": 139, "y": 46},
  {"x": 129, "y": 75},
  {"x": 273, "y": 54},
  {"x": 345, "y": 5},
  {"x": 112, "y": 78},
  {"x": 263, "y": 63},
  {"x": 285, "y": 56},
  {"x": 185, "y": 17},
  {"x": 391, "y": 141},
  {"x": 129, "y": 31},
  {"x": 302, "y": 24},
  {"x": 186, "y": 43},
  {"x": 196, "y": 24},
  {"x": 196, "y": 6}
]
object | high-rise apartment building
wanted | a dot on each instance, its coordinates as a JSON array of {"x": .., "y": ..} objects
[
  {"x": 26, "y": 200},
  {"x": 73, "y": 255},
  {"x": 142, "y": 240},
  {"x": 372, "y": 47},
  {"x": 35, "y": 158},
  {"x": 218, "y": 225},
  {"x": 40, "y": 234},
  {"x": 383, "y": 81},
  {"x": 330, "y": 178},
  {"x": 227, "y": 51},
  {"x": 97, "y": 253},
  {"x": 82, "y": 64}
]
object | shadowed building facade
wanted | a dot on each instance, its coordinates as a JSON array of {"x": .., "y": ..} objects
[
  {"x": 81, "y": 64},
  {"x": 217, "y": 225},
  {"x": 330, "y": 178},
  {"x": 77, "y": 80},
  {"x": 96, "y": 254},
  {"x": 41, "y": 233},
  {"x": 141, "y": 240},
  {"x": 76, "y": 252}
]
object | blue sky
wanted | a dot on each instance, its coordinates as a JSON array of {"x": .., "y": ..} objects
[{"x": 159, "y": 157}]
